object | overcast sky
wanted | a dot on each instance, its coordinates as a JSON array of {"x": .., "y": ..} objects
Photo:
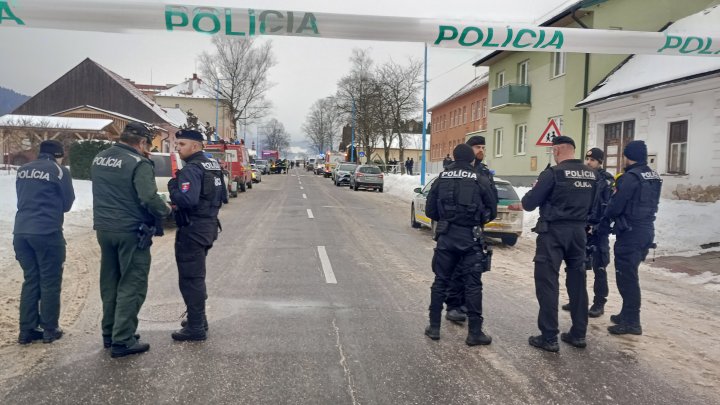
[{"x": 307, "y": 69}]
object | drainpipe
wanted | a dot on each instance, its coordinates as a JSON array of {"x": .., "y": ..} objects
[{"x": 585, "y": 87}]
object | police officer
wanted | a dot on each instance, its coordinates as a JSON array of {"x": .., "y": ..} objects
[
  {"x": 126, "y": 207},
  {"x": 598, "y": 245},
  {"x": 44, "y": 193},
  {"x": 632, "y": 208},
  {"x": 198, "y": 192},
  {"x": 564, "y": 193},
  {"x": 456, "y": 310},
  {"x": 461, "y": 206}
]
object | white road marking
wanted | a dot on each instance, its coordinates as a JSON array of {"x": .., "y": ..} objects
[
  {"x": 304, "y": 196},
  {"x": 301, "y": 188},
  {"x": 310, "y": 214},
  {"x": 326, "y": 266}
]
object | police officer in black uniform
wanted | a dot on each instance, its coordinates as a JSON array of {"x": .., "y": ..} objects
[
  {"x": 564, "y": 193},
  {"x": 44, "y": 193},
  {"x": 456, "y": 309},
  {"x": 198, "y": 192},
  {"x": 460, "y": 205},
  {"x": 632, "y": 209},
  {"x": 598, "y": 244}
]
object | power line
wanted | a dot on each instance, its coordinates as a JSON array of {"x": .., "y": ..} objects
[{"x": 450, "y": 70}]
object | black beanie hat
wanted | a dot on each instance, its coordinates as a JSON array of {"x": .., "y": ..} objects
[
  {"x": 636, "y": 151},
  {"x": 476, "y": 140},
  {"x": 189, "y": 134},
  {"x": 52, "y": 147},
  {"x": 596, "y": 153},
  {"x": 463, "y": 153}
]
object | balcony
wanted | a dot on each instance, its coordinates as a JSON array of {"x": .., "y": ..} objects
[{"x": 510, "y": 99}]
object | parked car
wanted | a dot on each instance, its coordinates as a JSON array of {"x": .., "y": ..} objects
[
  {"x": 319, "y": 167},
  {"x": 256, "y": 173},
  {"x": 310, "y": 164},
  {"x": 166, "y": 165},
  {"x": 262, "y": 165},
  {"x": 368, "y": 177},
  {"x": 507, "y": 226},
  {"x": 342, "y": 173}
]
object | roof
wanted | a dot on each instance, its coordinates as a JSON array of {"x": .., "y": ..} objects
[
  {"x": 190, "y": 88},
  {"x": 472, "y": 85},
  {"x": 548, "y": 20},
  {"x": 646, "y": 72},
  {"x": 123, "y": 116},
  {"x": 49, "y": 122},
  {"x": 178, "y": 116}
]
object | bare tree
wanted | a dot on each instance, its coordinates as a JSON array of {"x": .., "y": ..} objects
[
  {"x": 275, "y": 136},
  {"x": 322, "y": 124},
  {"x": 401, "y": 85},
  {"x": 238, "y": 69}
]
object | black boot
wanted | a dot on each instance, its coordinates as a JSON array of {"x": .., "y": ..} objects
[
  {"x": 122, "y": 350},
  {"x": 541, "y": 343},
  {"x": 194, "y": 330},
  {"x": 28, "y": 336},
  {"x": 476, "y": 336},
  {"x": 183, "y": 323},
  {"x": 596, "y": 310},
  {"x": 107, "y": 340},
  {"x": 455, "y": 316},
  {"x": 51, "y": 335},
  {"x": 568, "y": 338},
  {"x": 625, "y": 329},
  {"x": 433, "y": 332}
]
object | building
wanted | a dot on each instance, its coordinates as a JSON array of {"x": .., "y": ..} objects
[
  {"x": 675, "y": 110},
  {"x": 196, "y": 97},
  {"x": 456, "y": 119},
  {"x": 528, "y": 89}
]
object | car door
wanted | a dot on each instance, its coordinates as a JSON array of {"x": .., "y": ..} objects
[{"x": 420, "y": 203}]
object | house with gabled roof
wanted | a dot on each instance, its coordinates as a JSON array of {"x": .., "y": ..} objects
[{"x": 673, "y": 104}]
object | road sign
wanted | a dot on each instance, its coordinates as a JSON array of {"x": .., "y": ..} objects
[
  {"x": 551, "y": 132},
  {"x": 361, "y": 154}
]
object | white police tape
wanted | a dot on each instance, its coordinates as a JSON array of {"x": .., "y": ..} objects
[{"x": 130, "y": 15}]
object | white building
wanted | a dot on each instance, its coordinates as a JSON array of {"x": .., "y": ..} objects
[{"x": 673, "y": 104}]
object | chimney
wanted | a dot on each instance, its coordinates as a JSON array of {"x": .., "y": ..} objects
[{"x": 195, "y": 76}]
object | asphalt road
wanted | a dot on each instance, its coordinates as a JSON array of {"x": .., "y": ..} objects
[{"x": 281, "y": 332}]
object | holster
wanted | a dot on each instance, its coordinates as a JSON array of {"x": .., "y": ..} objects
[
  {"x": 441, "y": 228},
  {"x": 181, "y": 218},
  {"x": 145, "y": 234},
  {"x": 621, "y": 225},
  {"x": 541, "y": 227},
  {"x": 487, "y": 257}
]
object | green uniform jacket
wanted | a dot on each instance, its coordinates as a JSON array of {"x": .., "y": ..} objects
[{"x": 124, "y": 190}]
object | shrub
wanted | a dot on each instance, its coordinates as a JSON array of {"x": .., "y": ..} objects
[{"x": 82, "y": 154}]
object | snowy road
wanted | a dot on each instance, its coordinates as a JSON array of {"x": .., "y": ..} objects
[{"x": 280, "y": 332}]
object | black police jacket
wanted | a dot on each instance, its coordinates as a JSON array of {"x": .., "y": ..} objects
[
  {"x": 637, "y": 196},
  {"x": 199, "y": 188},
  {"x": 602, "y": 196},
  {"x": 564, "y": 192},
  {"x": 485, "y": 177},
  {"x": 459, "y": 198},
  {"x": 44, "y": 193}
]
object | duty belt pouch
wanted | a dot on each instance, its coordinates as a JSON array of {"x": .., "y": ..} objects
[
  {"x": 441, "y": 228},
  {"x": 487, "y": 257},
  {"x": 145, "y": 234},
  {"x": 541, "y": 227}
]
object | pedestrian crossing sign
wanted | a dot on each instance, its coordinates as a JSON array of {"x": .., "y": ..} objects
[{"x": 551, "y": 132}]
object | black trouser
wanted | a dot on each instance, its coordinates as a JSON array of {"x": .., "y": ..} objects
[
  {"x": 41, "y": 258},
  {"x": 601, "y": 259},
  {"x": 192, "y": 244},
  {"x": 456, "y": 294},
  {"x": 457, "y": 256},
  {"x": 631, "y": 248},
  {"x": 561, "y": 242}
]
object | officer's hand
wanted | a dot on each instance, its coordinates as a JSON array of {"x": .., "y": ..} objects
[{"x": 172, "y": 184}]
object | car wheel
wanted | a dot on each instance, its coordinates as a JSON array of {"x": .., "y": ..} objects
[
  {"x": 234, "y": 194},
  {"x": 337, "y": 184},
  {"x": 249, "y": 185},
  {"x": 242, "y": 187},
  {"x": 509, "y": 240},
  {"x": 356, "y": 187},
  {"x": 380, "y": 189},
  {"x": 413, "y": 222}
]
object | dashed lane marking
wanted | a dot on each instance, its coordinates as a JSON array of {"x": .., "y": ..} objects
[
  {"x": 304, "y": 196},
  {"x": 310, "y": 214},
  {"x": 326, "y": 266}
]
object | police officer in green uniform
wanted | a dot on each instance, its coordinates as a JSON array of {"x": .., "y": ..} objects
[
  {"x": 125, "y": 208},
  {"x": 198, "y": 191}
]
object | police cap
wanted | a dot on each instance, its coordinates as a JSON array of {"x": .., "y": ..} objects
[
  {"x": 559, "y": 140},
  {"x": 139, "y": 129},
  {"x": 189, "y": 134},
  {"x": 52, "y": 147}
]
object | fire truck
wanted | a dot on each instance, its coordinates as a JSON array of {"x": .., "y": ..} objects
[{"x": 235, "y": 159}]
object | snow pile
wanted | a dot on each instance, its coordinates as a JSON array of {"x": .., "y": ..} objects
[
  {"x": 83, "y": 196},
  {"x": 402, "y": 185}
]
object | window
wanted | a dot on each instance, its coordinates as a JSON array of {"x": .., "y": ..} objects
[
  {"x": 472, "y": 112},
  {"x": 677, "y": 148},
  {"x": 520, "y": 139},
  {"x": 499, "y": 79},
  {"x": 498, "y": 142},
  {"x": 523, "y": 73},
  {"x": 477, "y": 109},
  {"x": 484, "y": 108},
  {"x": 558, "y": 64},
  {"x": 464, "y": 116}
]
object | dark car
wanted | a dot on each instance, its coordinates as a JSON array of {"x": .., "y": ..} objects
[{"x": 368, "y": 177}]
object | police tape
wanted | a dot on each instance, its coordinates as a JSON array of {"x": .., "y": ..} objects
[{"x": 133, "y": 15}]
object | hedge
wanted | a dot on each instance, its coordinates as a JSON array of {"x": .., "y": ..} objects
[{"x": 82, "y": 154}]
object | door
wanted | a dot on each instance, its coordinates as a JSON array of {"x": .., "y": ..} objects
[{"x": 617, "y": 135}]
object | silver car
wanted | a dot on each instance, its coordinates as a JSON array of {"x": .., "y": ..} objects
[
  {"x": 343, "y": 172},
  {"x": 507, "y": 226},
  {"x": 368, "y": 177}
]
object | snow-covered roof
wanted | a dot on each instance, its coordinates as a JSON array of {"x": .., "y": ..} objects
[
  {"x": 472, "y": 85},
  {"x": 177, "y": 115},
  {"x": 410, "y": 141},
  {"x": 191, "y": 88},
  {"x": 646, "y": 72},
  {"x": 123, "y": 116},
  {"x": 37, "y": 121}
]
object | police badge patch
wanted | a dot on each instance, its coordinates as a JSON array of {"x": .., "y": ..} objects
[{"x": 185, "y": 187}]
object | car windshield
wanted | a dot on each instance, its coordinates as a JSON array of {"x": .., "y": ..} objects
[
  {"x": 370, "y": 170},
  {"x": 163, "y": 167},
  {"x": 347, "y": 168},
  {"x": 506, "y": 192},
  {"x": 261, "y": 162}
]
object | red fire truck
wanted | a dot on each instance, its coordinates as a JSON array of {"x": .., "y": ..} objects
[{"x": 235, "y": 159}]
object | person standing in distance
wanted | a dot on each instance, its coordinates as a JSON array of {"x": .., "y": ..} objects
[
  {"x": 44, "y": 194},
  {"x": 598, "y": 244},
  {"x": 198, "y": 191},
  {"x": 564, "y": 193},
  {"x": 126, "y": 206},
  {"x": 632, "y": 208},
  {"x": 461, "y": 206}
]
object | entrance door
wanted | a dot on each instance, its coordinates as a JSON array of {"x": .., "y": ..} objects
[{"x": 617, "y": 135}]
